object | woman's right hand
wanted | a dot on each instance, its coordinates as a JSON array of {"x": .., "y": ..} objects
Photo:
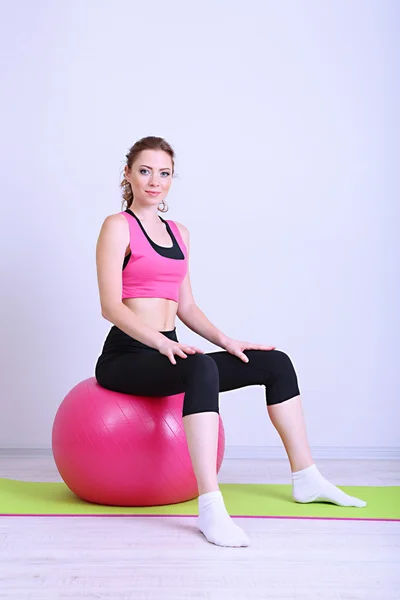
[{"x": 169, "y": 348}]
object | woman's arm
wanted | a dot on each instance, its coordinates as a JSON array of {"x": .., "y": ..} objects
[
  {"x": 196, "y": 320},
  {"x": 188, "y": 311},
  {"x": 110, "y": 250}
]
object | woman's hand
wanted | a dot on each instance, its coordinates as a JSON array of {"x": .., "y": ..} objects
[
  {"x": 169, "y": 348},
  {"x": 235, "y": 347}
]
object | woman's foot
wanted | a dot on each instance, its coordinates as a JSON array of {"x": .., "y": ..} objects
[
  {"x": 216, "y": 524},
  {"x": 310, "y": 486}
]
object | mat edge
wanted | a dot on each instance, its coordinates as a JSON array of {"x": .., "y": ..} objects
[{"x": 195, "y": 516}]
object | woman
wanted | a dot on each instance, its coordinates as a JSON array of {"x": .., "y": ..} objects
[{"x": 142, "y": 354}]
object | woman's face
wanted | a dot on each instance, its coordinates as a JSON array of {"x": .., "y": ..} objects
[{"x": 150, "y": 172}]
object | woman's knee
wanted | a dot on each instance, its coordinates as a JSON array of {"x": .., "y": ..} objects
[
  {"x": 202, "y": 386},
  {"x": 202, "y": 368},
  {"x": 282, "y": 383},
  {"x": 282, "y": 361}
]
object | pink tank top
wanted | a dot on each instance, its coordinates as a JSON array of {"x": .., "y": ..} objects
[{"x": 150, "y": 270}]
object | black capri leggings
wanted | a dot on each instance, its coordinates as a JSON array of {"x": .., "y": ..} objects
[{"x": 131, "y": 367}]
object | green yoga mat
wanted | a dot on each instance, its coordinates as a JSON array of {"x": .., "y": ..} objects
[{"x": 19, "y": 498}]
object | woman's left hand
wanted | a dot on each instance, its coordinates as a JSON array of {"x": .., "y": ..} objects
[{"x": 236, "y": 347}]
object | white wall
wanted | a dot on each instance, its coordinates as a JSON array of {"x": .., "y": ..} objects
[{"x": 284, "y": 118}]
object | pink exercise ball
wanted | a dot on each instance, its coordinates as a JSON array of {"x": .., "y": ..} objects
[{"x": 124, "y": 450}]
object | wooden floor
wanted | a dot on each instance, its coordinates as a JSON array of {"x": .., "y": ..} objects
[{"x": 49, "y": 558}]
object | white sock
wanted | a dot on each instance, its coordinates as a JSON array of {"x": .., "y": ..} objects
[
  {"x": 310, "y": 486},
  {"x": 216, "y": 524}
]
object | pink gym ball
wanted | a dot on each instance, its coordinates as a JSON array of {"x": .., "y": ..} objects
[{"x": 124, "y": 450}]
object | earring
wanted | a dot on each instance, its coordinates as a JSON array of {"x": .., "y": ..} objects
[{"x": 164, "y": 208}]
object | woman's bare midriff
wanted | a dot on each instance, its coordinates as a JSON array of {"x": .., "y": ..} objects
[{"x": 158, "y": 313}]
